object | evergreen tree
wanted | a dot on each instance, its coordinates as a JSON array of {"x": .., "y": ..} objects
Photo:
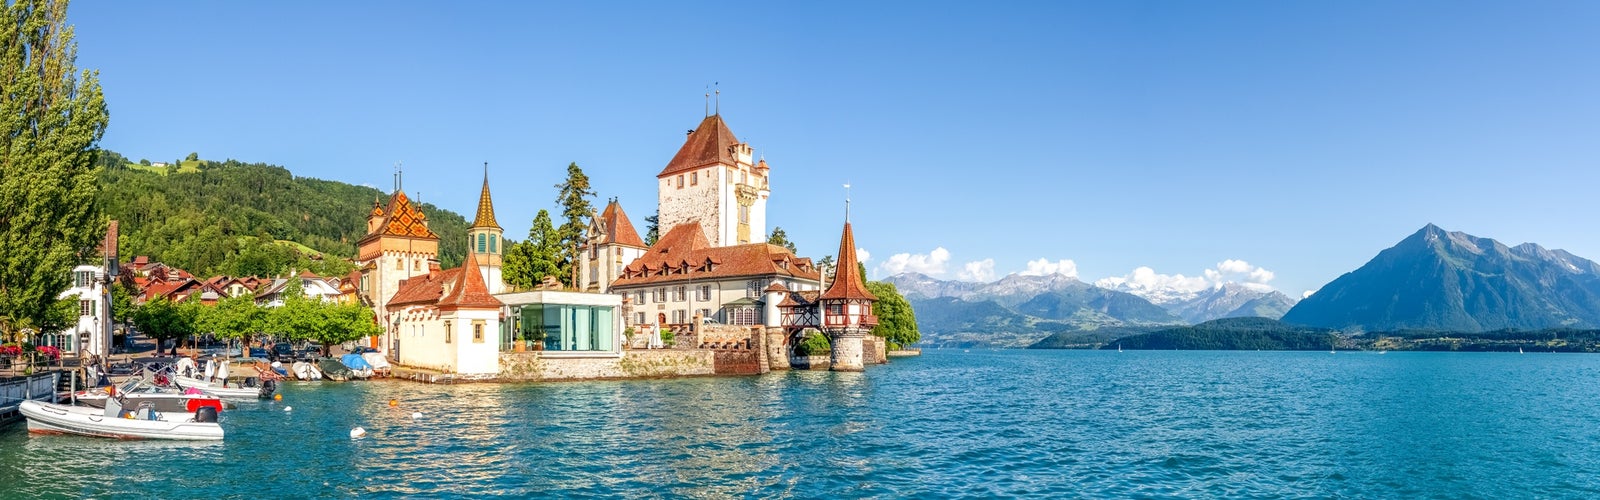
[
  {"x": 574, "y": 201},
  {"x": 897, "y": 322},
  {"x": 529, "y": 262},
  {"x": 780, "y": 238},
  {"x": 652, "y": 229},
  {"x": 53, "y": 118}
]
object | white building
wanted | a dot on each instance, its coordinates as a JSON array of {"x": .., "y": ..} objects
[
  {"x": 711, "y": 181},
  {"x": 612, "y": 245},
  {"x": 92, "y": 332},
  {"x": 313, "y": 286},
  {"x": 446, "y": 320}
]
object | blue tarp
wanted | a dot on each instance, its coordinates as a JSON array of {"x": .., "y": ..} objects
[{"x": 354, "y": 362}]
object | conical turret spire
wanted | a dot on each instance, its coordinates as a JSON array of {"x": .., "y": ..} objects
[{"x": 485, "y": 216}]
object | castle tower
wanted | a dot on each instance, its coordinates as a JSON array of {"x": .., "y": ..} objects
[
  {"x": 847, "y": 308},
  {"x": 398, "y": 246},
  {"x": 713, "y": 181},
  {"x": 485, "y": 239}
]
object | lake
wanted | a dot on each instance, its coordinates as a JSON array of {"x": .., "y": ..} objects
[{"x": 950, "y": 423}]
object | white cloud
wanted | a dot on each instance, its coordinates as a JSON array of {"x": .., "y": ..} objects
[
  {"x": 981, "y": 270},
  {"x": 862, "y": 255},
  {"x": 931, "y": 263},
  {"x": 1145, "y": 279},
  {"x": 1043, "y": 267}
]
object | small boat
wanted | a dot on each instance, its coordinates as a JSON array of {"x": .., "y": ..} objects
[
  {"x": 1119, "y": 347},
  {"x": 333, "y": 370},
  {"x": 359, "y": 368},
  {"x": 250, "y": 389},
  {"x": 306, "y": 371},
  {"x": 113, "y": 422},
  {"x": 380, "y": 364},
  {"x": 137, "y": 391},
  {"x": 1519, "y": 351}
]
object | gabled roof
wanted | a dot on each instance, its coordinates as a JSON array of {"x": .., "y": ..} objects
[
  {"x": 425, "y": 289},
  {"x": 402, "y": 218},
  {"x": 615, "y": 227},
  {"x": 485, "y": 216},
  {"x": 711, "y": 143},
  {"x": 683, "y": 254},
  {"x": 847, "y": 279},
  {"x": 468, "y": 290}
]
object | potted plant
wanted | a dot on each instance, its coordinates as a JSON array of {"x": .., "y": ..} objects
[
  {"x": 520, "y": 344},
  {"x": 536, "y": 340}
]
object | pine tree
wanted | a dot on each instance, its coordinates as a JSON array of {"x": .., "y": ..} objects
[
  {"x": 53, "y": 118},
  {"x": 652, "y": 229},
  {"x": 529, "y": 262},
  {"x": 780, "y": 238},
  {"x": 574, "y": 201}
]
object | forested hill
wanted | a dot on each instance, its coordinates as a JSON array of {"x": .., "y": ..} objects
[{"x": 247, "y": 219}]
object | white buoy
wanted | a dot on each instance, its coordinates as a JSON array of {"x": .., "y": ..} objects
[
  {"x": 416, "y": 415},
  {"x": 357, "y": 432},
  {"x": 288, "y": 408}
]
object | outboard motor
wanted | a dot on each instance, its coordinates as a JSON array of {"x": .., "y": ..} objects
[
  {"x": 267, "y": 388},
  {"x": 206, "y": 414}
]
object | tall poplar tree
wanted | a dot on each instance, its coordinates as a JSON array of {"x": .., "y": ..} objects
[
  {"x": 51, "y": 119},
  {"x": 574, "y": 201}
]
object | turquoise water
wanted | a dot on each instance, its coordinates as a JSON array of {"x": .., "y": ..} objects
[{"x": 992, "y": 423}]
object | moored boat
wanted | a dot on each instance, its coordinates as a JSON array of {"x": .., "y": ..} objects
[
  {"x": 112, "y": 422},
  {"x": 332, "y": 369},
  {"x": 136, "y": 391},
  {"x": 258, "y": 390},
  {"x": 358, "y": 365}
]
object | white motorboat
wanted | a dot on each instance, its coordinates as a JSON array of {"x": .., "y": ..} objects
[
  {"x": 303, "y": 370},
  {"x": 113, "y": 422},
  {"x": 263, "y": 390},
  {"x": 136, "y": 391},
  {"x": 379, "y": 363}
]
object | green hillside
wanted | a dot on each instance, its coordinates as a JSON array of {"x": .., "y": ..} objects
[{"x": 247, "y": 219}]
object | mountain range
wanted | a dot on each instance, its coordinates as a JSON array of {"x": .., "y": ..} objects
[
  {"x": 1448, "y": 280},
  {"x": 1018, "y": 310}
]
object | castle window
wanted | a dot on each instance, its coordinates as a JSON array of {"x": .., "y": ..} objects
[
  {"x": 477, "y": 331},
  {"x": 638, "y": 318},
  {"x": 744, "y": 214},
  {"x": 399, "y": 265},
  {"x": 447, "y": 332},
  {"x": 483, "y": 243},
  {"x": 85, "y": 308},
  {"x": 705, "y": 292},
  {"x": 694, "y": 178},
  {"x": 639, "y": 297},
  {"x": 494, "y": 243},
  {"x": 677, "y": 294},
  {"x": 680, "y": 181}
]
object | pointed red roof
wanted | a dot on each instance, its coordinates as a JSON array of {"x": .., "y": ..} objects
[
  {"x": 711, "y": 143},
  {"x": 425, "y": 289},
  {"x": 403, "y": 218},
  {"x": 847, "y": 279},
  {"x": 469, "y": 290},
  {"x": 616, "y": 227}
]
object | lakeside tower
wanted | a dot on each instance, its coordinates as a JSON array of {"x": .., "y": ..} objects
[
  {"x": 398, "y": 246},
  {"x": 847, "y": 308},
  {"x": 713, "y": 181},
  {"x": 486, "y": 240}
]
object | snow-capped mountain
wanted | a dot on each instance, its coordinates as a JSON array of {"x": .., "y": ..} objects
[{"x": 1228, "y": 300}]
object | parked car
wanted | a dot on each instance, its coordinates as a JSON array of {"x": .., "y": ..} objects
[
  {"x": 257, "y": 352},
  {"x": 363, "y": 350},
  {"x": 283, "y": 352}
]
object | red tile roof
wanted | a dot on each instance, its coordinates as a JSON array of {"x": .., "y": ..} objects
[
  {"x": 685, "y": 247},
  {"x": 403, "y": 219},
  {"x": 617, "y": 229},
  {"x": 711, "y": 143},
  {"x": 469, "y": 290},
  {"x": 425, "y": 289},
  {"x": 847, "y": 279}
]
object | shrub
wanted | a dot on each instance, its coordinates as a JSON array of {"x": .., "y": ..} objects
[{"x": 815, "y": 344}]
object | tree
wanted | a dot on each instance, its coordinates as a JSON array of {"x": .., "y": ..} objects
[
  {"x": 233, "y": 318},
  {"x": 781, "y": 239},
  {"x": 192, "y": 157},
  {"x": 530, "y": 261},
  {"x": 162, "y": 320},
  {"x": 574, "y": 201},
  {"x": 897, "y": 322},
  {"x": 652, "y": 229},
  {"x": 346, "y": 323},
  {"x": 52, "y": 120}
]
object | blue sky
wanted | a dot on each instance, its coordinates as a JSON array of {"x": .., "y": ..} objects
[{"x": 1280, "y": 142}]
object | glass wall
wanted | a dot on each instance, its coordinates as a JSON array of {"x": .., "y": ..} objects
[{"x": 571, "y": 328}]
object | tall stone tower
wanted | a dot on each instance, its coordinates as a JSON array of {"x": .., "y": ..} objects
[
  {"x": 713, "y": 181},
  {"x": 847, "y": 308},
  {"x": 398, "y": 246},
  {"x": 486, "y": 240}
]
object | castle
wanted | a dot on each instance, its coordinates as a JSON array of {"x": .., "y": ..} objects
[{"x": 710, "y": 271}]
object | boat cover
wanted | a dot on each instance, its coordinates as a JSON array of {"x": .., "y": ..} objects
[{"x": 355, "y": 362}]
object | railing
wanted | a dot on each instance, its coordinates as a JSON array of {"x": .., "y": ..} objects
[
  {"x": 843, "y": 320},
  {"x": 40, "y": 387}
]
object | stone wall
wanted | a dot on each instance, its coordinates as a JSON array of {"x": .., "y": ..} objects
[
  {"x": 810, "y": 362},
  {"x": 655, "y": 363},
  {"x": 738, "y": 362},
  {"x": 874, "y": 350}
]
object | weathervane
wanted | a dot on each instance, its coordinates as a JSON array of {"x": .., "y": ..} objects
[{"x": 847, "y": 202}]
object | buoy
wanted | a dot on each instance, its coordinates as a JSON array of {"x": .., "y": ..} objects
[
  {"x": 288, "y": 408},
  {"x": 277, "y": 397},
  {"x": 394, "y": 402},
  {"x": 357, "y": 432},
  {"x": 416, "y": 415}
]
